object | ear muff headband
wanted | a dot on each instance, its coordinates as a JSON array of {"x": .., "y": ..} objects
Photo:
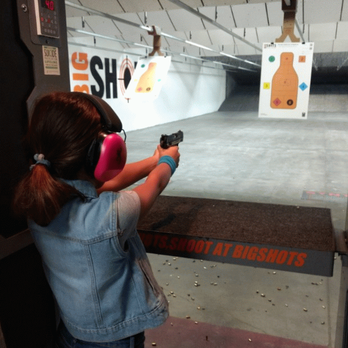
[
  {"x": 109, "y": 119},
  {"x": 107, "y": 155}
]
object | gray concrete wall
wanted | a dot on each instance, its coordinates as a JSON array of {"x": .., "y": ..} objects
[
  {"x": 323, "y": 97},
  {"x": 328, "y": 98}
]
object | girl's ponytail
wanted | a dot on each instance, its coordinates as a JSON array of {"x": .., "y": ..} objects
[
  {"x": 61, "y": 129},
  {"x": 40, "y": 197}
]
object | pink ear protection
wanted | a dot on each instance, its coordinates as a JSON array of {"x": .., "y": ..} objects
[
  {"x": 112, "y": 156},
  {"x": 107, "y": 155}
]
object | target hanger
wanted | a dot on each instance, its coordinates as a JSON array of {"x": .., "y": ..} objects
[{"x": 156, "y": 32}]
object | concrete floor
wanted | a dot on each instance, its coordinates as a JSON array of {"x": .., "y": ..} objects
[{"x": 238, "y": 156}]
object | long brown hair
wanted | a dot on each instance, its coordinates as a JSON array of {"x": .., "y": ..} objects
[{"x": 62, "y": 127}]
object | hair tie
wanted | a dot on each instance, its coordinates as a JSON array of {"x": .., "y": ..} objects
[{"x": 40, "y": 159}]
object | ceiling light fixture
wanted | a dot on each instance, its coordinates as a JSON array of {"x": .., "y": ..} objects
[
  {"x": 216, "y": 24},
  {"x": 149, "y": 29},
  {"x": 140, "y": 45},
  {"x": 199, "y": 45},
  {"x": 243, "y": 60},
  {"x": 107, "y": 37}
]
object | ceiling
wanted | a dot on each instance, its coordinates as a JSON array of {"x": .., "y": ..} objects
[{"x": 236, "y": 27}]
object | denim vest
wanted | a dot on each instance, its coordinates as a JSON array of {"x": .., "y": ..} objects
[{"x": 97, "y": 267}]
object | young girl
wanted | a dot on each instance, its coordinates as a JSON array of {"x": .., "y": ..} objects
[{"x": 85, "y": 230}]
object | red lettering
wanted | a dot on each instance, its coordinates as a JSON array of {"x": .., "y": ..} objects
[
  {"x": 282, "y": 256},
  {"x": 142, "y": 236},
  {"x": 237, "y": 253},
  {"x": 262, "y": 254},
  {"x": 173, "y": 243},
  {"x": 155, "y": 242},
  {"x": 218, "y": 249},
  {"x": 252, "y": 253},
  {"x": 272, "y": 255},
  {"x": 227, "y": 248},
  {"x": 163, "y": 242},
  {"x": 207, "y": 247},
  {"x": 191, "y": 245},
  {"x": 292, "y": 256},
  {"x": 147, "y": 240},
  {"x": 199, "y": 247},
  {"x": 245, "y": 252},
  {"x": 182, "y": 244},
  {"x": 300, "y": 259}
]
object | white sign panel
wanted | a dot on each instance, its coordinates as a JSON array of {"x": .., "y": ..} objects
[
  {"x": 50, "y": 60},
  {"x": 285, "y": 80}
]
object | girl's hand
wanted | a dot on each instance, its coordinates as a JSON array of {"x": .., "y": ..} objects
[{"x": 172, "y": 151}]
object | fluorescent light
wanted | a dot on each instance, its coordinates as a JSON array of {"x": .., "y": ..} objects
[
  {"x": 102, "y": 14},
  {"x": 198, "y": 45},
  {"x": 228, "y": 55},
  {"x": 252, "y": 63},
  {"x": 209, "y": 20},
  {"x": 192, "y": 57}
]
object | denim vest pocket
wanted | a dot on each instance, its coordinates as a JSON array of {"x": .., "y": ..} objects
[{"x": 147, "y": 272}]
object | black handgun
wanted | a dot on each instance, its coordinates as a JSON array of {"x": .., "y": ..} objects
[{"x": 171, "y": 140}]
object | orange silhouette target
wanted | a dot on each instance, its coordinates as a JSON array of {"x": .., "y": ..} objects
[
  {"x": 285, "y": 84},
  {"x": 147, "y": 80}
]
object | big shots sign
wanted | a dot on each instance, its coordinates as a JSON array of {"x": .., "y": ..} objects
[
  {"x": 239, "y": 253},
  {"x": 106, "y": 76}
]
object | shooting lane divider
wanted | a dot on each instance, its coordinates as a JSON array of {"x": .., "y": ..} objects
[
  {"x": 242, "y": 233},
  {"x": 245, "y": 254}
]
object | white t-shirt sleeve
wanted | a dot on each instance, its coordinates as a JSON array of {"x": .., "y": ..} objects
[{"x": 128, "y": 211}]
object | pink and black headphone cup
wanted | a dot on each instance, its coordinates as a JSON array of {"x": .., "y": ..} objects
[
  {"x": 112, "y": 159},
  {"x": 107, "y": 154}
]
